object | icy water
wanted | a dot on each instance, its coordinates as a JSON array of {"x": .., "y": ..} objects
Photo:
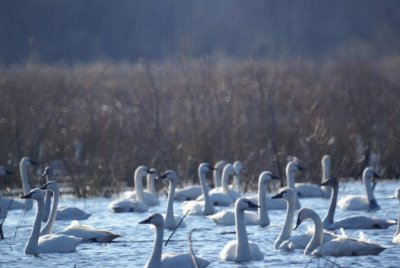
[{"x": 134, "y": 247}]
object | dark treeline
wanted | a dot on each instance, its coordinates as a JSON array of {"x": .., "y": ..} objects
[
  {"x": 75, "y": 30},
  {"x": 176, "y": 114}
]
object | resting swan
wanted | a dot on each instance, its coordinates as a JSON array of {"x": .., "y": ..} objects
[
  {"x": 205, "y": 207},
  {"x": 362, "y": 202},
  {"x": 84, "y": 232},
  {"x": 168, "y": 260},
  {"x": 352, "y": 222},
  {"x": 130, "y": 204},
  {"x": 227, "y": 217},
  {"x": 396, "y": 237},
  {"x": 50, "y": 243},
  {"x": 341, "y": 246},
  {"x": 63, "y": 213},
  {"x": 148, "y": 196},
  {"x": 171, "y": 221},
  {"x": 314, "y": 190},
  {"x": 241, "y": 250}
]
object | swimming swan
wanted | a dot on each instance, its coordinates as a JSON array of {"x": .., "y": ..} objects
[
  {"x": 314, "y": 190},
  {"x": 148, "y": 196},
  {"x": 362, "y": 202},
  {"x": 168, "y": 260},
  {"x": 171, "y": 221},
  {"x": 241, "y": 250},
  {"x": 205, "y": 207},
  {"x": 352, "y": 222},
  {"x": 341, "y": 246},
  {"x": 396, "y": 237},
  {"x": 261, "y": 218},
  {"x": 50, "y": 243}
]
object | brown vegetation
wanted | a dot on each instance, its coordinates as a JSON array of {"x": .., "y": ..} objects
[{"x": 178, "y": 113}]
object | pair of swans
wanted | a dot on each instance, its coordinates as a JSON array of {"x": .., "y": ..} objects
[
  {"x": 148, "y": 195},
  {"x": 140, "y": 200},
  {"x": 340, "y": 246}
]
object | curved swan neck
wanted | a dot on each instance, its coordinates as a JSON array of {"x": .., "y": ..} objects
[
  {"x": 155, "y": 259},
  {"x": 286, "y": 232},
  {"x": 23, "y": 169},
  {"x": 236, "y": 181},
  {"x": 225, "y": 177},
  {"x": 262, "y": 202},
  {"x": 330, "y": 216},
  {"x": 48, "y": 227},
  {"x": 217, "y": 177},
  {"x": 368, "y": 189},
  {"x": 242, "y": 247},
  {"x": 32, "y": 244},
  {"x": 316, "y": 239},
  {"x": 208, "y": 206},
  {"x": 151, "y": 186},
  {"x": 169, "y": 217},
  {"x": 139, "y": 187}
]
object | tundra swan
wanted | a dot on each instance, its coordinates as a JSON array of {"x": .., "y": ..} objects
[
  {"x": 241, "y": 250},
  {"x": 168, "y": 260},
  {"x": 396, "y": 237},
  {"x": 340, "y": 246},
  {"x": 205, "y": 207},
  {"x": 50, "y": 243},
  {"x": 352, "y": 222},
  {"x": 362, "y": 202},
  {"x": 148, "y": 196},
  {"x": 171, "y": 221},
  {"x": 314, "y": 190},
  {"x": 227, "y": 217}
]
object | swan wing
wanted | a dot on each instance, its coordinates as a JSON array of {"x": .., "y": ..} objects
[
  {"x": 55, "y": 243},
  {"x": 348, "y": 247},
  {"x": 89, "y": 234},
  {"x": 307, "y": 190},
  {"x": 353, "y": 202},
  {"x": 195, "y": 207},
  {"x": 228, "y": 253},
  {"x": 256, "y": 253},
  {"x": 127, "y": 205},
  {"x": 188, "y": 193},
  {"x": 169, "y": 260},
  {"x": 362, "y": 222},
  {"x": 71, "y": 213}
]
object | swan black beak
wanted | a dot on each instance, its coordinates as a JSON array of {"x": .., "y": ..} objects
[
  {"x": 252, "y": 205},
  {"x": 27, "y": 196},
  {"x": 324, "y": 183},
  {"x": 34, "y": 163},
  {"x": 280, "y": 195},
  {"x": 211, "y": 167},
  {"x": 162, "y": 176},
  {"x": 301, "y": 168},
  {"x": 146, "y": 221},
  {"x": 273, "y": 177},
  {"x": 298, "y": 222}
]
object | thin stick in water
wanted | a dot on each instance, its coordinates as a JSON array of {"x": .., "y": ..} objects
[{"x": 166, "y": 242}]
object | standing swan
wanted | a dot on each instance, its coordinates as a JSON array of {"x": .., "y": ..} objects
[
  {"x": 396, "y": 237},
  {"x": 241, "y": 250},
  {"x": 48, "y": 243},
  {"x": 171, "y": 221},
  {"x": 362, "y": 202},
  {"x": 227, "y": 217},
  {"x": 341, "y": 246},
  {"x": 168, "y": 260},
  {"x": 352, "y": 222},
  {"x": 314, "y": 190},
  {"x": 205, "y": 207}
]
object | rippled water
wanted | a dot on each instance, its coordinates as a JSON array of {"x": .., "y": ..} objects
[{"x": 134, "y": 247}]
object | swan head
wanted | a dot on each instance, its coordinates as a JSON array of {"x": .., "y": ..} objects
[
  {"x": 36, "y": 194},
  {"x": 48, "y": 171},
  {"x": 304, "y": 214},
  {"x": 238, "y": 166},
  {"x": 287, "y": 194},
  {"x": 292, "y": 167},
  {"x": 4, "y": 171},
  {"x": 169, "y": 175},
  {"x": 267, "y": 176},
  {"x": 219, "y": 166},
  {"x": 141, "y": 171},
  {"x": 326, "y": 160},
  {"x": 228, "y": 170},
  {"x": 245, "y": 204},
  {"x": 205, "y": 168},
  {"x": 370, "y": 174},
  {"x": 156, "y": 219},
  {"x": 331, "y": 182},
  {"x": 27, "y": 161},
  {"x": 51, "y": 185}
]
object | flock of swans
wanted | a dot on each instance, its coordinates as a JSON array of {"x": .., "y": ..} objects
[{"x": 223, "y": 205}]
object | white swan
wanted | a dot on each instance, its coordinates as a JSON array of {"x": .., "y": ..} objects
[
  {"x": 289, "y": 195},
  {"x": 148, "y": 196},
  {"x": 168, "y": 260},
  {"x": 129, "y": 204},
  {"x": 241, "y": 249},
  {"x": 261, "y": 218},
  {"x": 362, "y": 202},
  {"x": 50, "y": 243},
  {"x": 314, "y": 190},
  {"x": 63, "y": 213},
  {"x": 341, "y": 246},
  {"x": 352, "y": 222},
  {"x": 217, "y": 173},
  {"x": 223, "y": 196},
  {"x": 171, "y": 221},
  {"x": 188, "y": 193},
  {"x": 84, "y": 232},
  {"x": 238, "y": 166},
  {"x": 396, "y": 237},
  {"x": 205, "y": 207}
]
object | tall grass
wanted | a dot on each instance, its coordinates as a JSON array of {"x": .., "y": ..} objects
[{"x": 178, "y": 113}]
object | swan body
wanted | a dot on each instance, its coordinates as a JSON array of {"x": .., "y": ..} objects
[
  {"x": 227, "y": 217},
  {"x": 168, "y": 260},
  {"x": 300, "y": 241},
  {"x": 171, "y": 221},
  {"x": 314, "y": 190},
  {"x": 352, "y": 222},
  {"x": 241, "y": 250},
  {"x": 205, "y": 207},
  {"x": 396, "y": 237},
  {"x": 131, "y": 204},
  {"x": 362, "y": 202},
  {"x": 149, "y": 195},
  {"x": 188, "y": 193},
  {"x": 48, "y": 243},
  {"x": 89, "y": 234},
  {"x": 341, "y": 246}
]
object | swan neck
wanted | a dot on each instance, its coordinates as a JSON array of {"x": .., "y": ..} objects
[
  {"x": 208, "y": 206},
  {"x": 225, "y": 178},
  {"x": 155, "y": 259},
  {"x": 217, "y": 178},
  {"x": 330, "y": 216},
  {"x": 262, "y": 202},
  {"x": 23, "y": 169},
  {"x": 236, "y": 182},
  {"x": 242, "y": 247},
  {"x": 316, "y": 239},
  {"x": 47, "y": 207},
  {"x": 47, "y": 229},
  {"x": 32, "y": 244},
  {"x": 169, "y": 217},
  {"x": 151, "y": 186},
  {"x": 326, "y": 172},
  {"x": 139, "y": 188},
  {"x": 286, "y": 232},
  {"x": 368, "y": 189}
]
